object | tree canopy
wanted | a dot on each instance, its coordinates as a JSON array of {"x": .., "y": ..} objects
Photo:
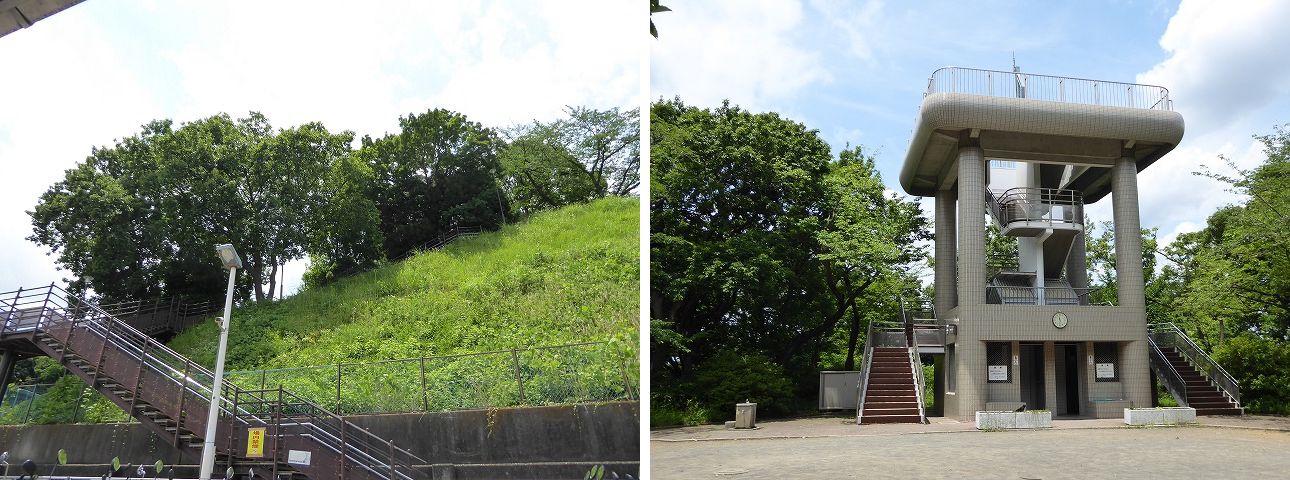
[
  {"x": 1228, "y": 284},
  {"x": 761, "y": 243},
  {"x": 139, "y": 219},
  {"x": 588, "y": 155}
]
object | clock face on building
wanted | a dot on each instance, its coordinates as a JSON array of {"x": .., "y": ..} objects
[{"x": 1060, "y": 320}]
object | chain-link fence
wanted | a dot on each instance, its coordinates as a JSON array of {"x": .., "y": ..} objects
[
  {"x": 574, "y": 373},
  {"x": 562, "y": 374},
  {"x": 20, "y": 402}
]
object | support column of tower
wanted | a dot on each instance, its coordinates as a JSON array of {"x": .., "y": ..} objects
[
  {"x": 1129, "y": 283},
  {"x": 7, "y": 360},
  {"x": 946, "y": 256},
  {"x": 970, "y": 352},
  {"x": 1077, "y": 267}
]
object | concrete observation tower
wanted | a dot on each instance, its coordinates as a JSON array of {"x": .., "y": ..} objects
[{"x": 1027, "y": 152}]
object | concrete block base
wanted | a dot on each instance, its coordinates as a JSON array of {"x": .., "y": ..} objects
[
  {"x": 1159, "y": 416},
  {"x": 1014, "y": 420}
]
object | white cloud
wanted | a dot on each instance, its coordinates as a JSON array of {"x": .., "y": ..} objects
[
  {"x": 1224, "y": 59},
  {"x": 96, "y": 72},
  {"x": 747, "y": 52}
]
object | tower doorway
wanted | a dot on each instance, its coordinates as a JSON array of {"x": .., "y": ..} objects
[
  {"x": 1068, "y": 399},
  {"x": 1031, "y": 359}
]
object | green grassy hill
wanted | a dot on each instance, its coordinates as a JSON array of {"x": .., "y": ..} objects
[
  {"x": 564, "y": 276},
  {"x": 560, "y": 277}
]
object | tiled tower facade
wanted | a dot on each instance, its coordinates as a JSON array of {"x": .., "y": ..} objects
[{"x": 1024, "y": 153}]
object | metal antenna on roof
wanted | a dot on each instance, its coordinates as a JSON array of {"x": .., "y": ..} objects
[{"x": 1021, "y": 81}]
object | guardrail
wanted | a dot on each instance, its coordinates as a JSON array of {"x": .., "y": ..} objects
[
  {"x": 1030, "y": 204},
  {"x": 1169, "y": 335},
  {"x": 994, "y": 83},
  {"x": 547, "y": 375},
  {"x": 101, "y": 349},
  {"x": 1172, "y": 379}
]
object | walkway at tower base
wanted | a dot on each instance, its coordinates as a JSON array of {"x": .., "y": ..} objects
[{"x": 527, "y": 442}]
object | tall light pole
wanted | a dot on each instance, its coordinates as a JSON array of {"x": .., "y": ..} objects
[{"x": 232, "y": 262}]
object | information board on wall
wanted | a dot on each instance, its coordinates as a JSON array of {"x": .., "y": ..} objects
[
  {"x": 1106, "y": 370},
  {"x": 998, "y": 372}
]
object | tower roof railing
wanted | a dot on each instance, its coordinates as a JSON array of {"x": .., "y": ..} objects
[{"x": 994, "y": 83}]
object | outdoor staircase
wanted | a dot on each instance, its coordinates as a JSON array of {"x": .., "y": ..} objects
[
  {"x": 890, "y": 396},
  {"x": 170, "y": 395},
  {"x": 1201, "y": 393},
  {"x": 1194, "y": 379}
]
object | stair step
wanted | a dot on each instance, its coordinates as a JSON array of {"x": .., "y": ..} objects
[
  {"x": 891, "y": 411},
  {"x": 911, "y": 403},
  {"x": 1220, "y": 411},
  {"x": 872, "y": 419}
]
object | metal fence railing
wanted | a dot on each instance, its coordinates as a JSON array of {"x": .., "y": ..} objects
[
  {"x": 562, "y": 374},
  {"x": 1085, "y": 91}
]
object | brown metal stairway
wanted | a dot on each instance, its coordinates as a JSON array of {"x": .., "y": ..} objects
[
  {"x": 890, "y": 396},
  {"x": 1194, "y": 379},
  {"x": 1201, "y": 394},
  {"x": 170, "y": 395}
]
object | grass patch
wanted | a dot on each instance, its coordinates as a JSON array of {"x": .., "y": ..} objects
[{"x": 564, "y": 276}]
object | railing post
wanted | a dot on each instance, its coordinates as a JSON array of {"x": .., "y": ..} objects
[
  {"x": 232, "y": 424},
  {"x": 263, "y": 374},
  {"x": 338, "y": 369},
  {"x": 107, "y": 338},
  {"x": 393, "y": 475},
  {"x": 425, "y": 399},
  {"x": 143, "y": 362},
  {"x": 12, "y": 307},
  {"x": 343, "y": 451},
  {"x": 515, "y": 357},
  {"x": 277, "y": 430},
  {"x": 183, "y": 398},
  {"x": 40, "y": 319},
  {"x": 76, "y": 411}
]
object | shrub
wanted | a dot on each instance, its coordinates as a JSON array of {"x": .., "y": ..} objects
[
  {"x": 729, "y": 378},
  {"x": 1262, "y": 367}
]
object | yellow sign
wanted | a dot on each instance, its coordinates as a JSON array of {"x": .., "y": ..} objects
[{"x": 255, "y": 442}]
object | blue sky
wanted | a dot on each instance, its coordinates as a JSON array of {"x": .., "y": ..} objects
[
  {"x": 856, "y": 71},
  {"x": 97, "y": 71}
]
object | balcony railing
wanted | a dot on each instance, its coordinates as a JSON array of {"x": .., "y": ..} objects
[
  {"x": 995, "y": 83},
  {"x": 1028, "y": 204}
]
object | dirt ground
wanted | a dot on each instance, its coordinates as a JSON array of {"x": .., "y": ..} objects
[{"x": 832, "y": 447}]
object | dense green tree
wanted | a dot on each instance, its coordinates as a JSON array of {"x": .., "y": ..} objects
[
  {"x": 346, "y": 234},
  {"x": 590, "y": 154},
  {"x": 140, "y": 219},
  {"x": 1228, "y": 284},
  {"x": 438, "y": 172},
  {"x": 761, "y": 242}
]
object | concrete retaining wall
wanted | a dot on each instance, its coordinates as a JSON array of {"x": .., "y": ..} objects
[{"x": 530, "y": 442}]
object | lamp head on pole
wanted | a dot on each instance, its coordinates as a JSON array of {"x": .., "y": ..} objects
[{"x": 228, "y": 255}]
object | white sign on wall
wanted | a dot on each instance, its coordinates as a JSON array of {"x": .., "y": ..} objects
[
  {"x": 298, "y": 457},
  {"x": 998, "y": 372},
  {"x": 1106, "y": 370}
]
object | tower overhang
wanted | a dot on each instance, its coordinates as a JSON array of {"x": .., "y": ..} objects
[{"x": 1081, "y": 140}]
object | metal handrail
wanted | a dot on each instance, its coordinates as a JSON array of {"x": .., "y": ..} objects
[
  {"x": 1030, "y": 296},
  {"x": 995, "y": 83},
  {"x": 444, "y": 238},
  {"x": 865, "y": 364},
  {"x": 120, "y": 335},
  {"x": 1207, "y": 366},
  {"x": 916, "y": 363},
  {"x": 915, "y": 359},
  {"x": 1173, "y": 380},
  {"x": 1032, "y": 204},
  {"x": 41, "y": 308}
]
